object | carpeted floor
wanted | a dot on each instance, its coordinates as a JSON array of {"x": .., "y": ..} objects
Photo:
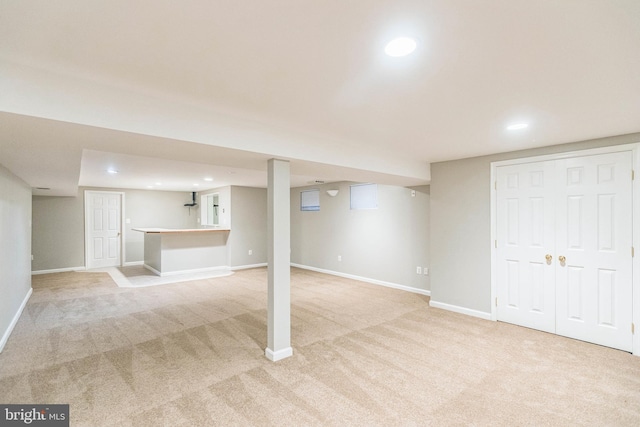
[{"x": 192, "y": 354}]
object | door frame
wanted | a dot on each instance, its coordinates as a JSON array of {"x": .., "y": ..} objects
[
  {"x": 86, "y": 225},
  {"x": 634, "y": 148}
]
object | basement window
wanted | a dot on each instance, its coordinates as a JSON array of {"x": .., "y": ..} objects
[
  {"x": 310, "y": 200},
  {"x": 364, "y": 196}
]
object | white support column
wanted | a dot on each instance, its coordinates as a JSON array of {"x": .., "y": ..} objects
[{"x": 279, "y": 258}]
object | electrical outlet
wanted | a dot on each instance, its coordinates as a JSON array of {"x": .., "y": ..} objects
[
  {"x": 339, "y": 257},
  {"x": 418, "y": 270},
  {"x": 250, "y": 252},
  {"x": 413, "y": 193}
]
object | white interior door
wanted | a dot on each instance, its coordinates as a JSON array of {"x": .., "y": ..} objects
[
  {"x": 594, "y": 223},
  {"x": 564, "y": 241},
  {"x": 104, "y": 233},
  {"x": 526, "y": 291}
]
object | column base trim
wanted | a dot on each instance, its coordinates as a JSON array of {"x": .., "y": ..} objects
[{"x": 274, "y": 356}]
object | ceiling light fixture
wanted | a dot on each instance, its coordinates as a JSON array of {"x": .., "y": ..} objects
[
  {"x": 208, "y": 179},
  {"x": 158, "y": 183},
  {"x": 402, "y": 46},
  {"x": 518, "y": 126},
  {"x": 112, "y": 171}
]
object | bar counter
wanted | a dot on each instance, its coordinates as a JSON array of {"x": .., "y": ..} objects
[{"x": 190, "y": 250}]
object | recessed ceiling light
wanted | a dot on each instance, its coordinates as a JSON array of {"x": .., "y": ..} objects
[
  {"x": 149, "y": 186},
  {"x": 402, "y": 46},
  {"x": 517, "y": 126},
  {"x": 208, "y": 179},
  {"x": 195, "y": 184},
  {"x": 112, "y": 171},
  {"x": 158, "y": 183}
]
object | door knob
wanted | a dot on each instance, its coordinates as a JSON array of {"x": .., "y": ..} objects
[
  {"x": 548, "y": 257},
  {"x": 562, "y": 259}
]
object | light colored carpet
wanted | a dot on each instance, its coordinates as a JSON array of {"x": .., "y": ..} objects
[{"x": 192, "y": 354}]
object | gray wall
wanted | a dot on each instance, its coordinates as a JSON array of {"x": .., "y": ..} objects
[
  {"x": 15, "y": 248},
  {"x": 249, "y": 226},
  {"x": 58, "y": 224},
  {"x": 461, "y": 223},
  {"x": 58, "y": 232},
  {"x": 384, "y": 244},
  {"x": 154, "y": 209}
]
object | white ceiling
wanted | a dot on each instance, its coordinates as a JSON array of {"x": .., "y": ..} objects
[{"x": 220, "y": 86}]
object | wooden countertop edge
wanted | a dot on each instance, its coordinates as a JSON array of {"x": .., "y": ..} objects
[{"x": 186, "y": 230}]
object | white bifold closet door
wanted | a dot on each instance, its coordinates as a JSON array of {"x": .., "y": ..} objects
[{"x": 564, "y": 242}]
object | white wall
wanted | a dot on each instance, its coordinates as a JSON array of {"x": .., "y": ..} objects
[
  {"x": 15, "y": 250},
  {"x": 461, "y": 224},
  {"x": 384, "y": 244}
]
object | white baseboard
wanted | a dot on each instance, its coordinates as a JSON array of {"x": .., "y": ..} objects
[
  {"x": 274, "y": 356},
  {"x": 197, "y": 270},
  {"x": 59, "y": 270},
  {"x": 365, "y": 279},
  {"x": 248, "y": 266},
  {"x": 16, "y": 317},
  {"x": 461, "y": 310},
  {"x": 129, "y": 264}
]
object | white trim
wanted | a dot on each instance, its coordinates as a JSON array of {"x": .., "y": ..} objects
[
  {"x": 365, "y": 279},
  {"x": 123, "y": 230},
  {"x": 462, "y": 310},
  {"x": 568, "y": 154},
  {"x": 248, "y": 266},
  {"x": 86, "y": 226},
  {"x": 132, "y": 263},
  {"x": 175, "y": 273},
  {"x": 59, "y": 270},
  {"x": 636, "y": 244},
  {"x": 16, "y": 317},
  {"x": 635, "y": 150},
  {"x": 494, "y": 237},
  {"x": 151, "y": 269},
  {"x": 274, "y": 356},
  {"x": 123, "y": 281}
]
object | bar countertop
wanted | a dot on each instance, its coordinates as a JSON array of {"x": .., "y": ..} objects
[{"x": 178, "y": 230}]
